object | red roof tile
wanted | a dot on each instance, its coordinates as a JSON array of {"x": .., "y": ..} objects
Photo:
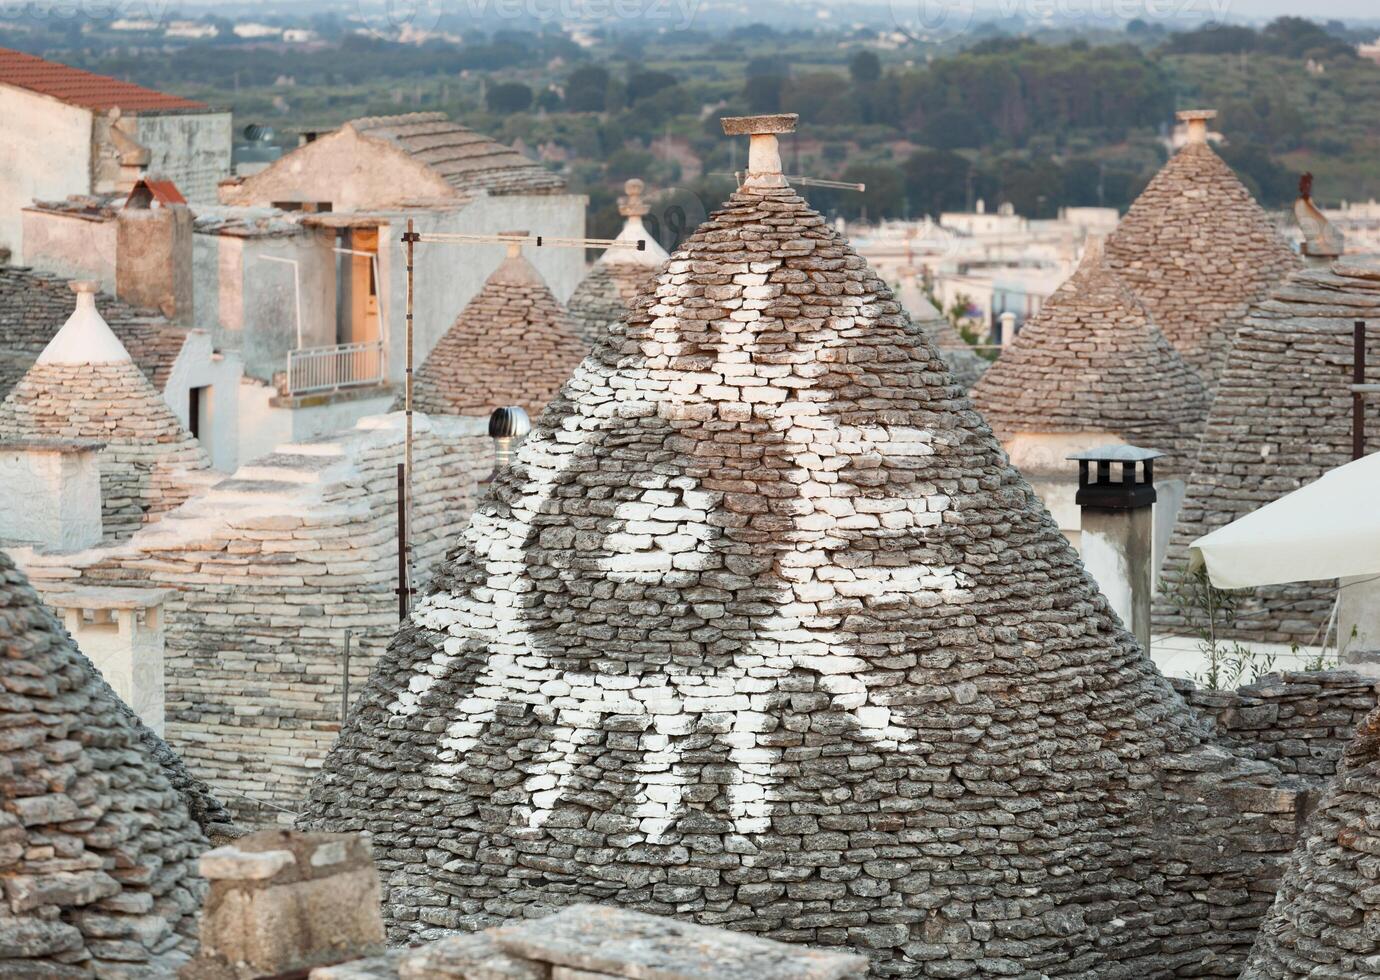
[
  {"x": 156, "y": 190},
  {"x": 83, "y": 88}
]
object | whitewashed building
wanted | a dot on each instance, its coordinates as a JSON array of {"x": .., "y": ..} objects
[{"x": 68, "y": 131}]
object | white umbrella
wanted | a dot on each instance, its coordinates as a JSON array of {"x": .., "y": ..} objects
[{"x": 1327, "y": 529}]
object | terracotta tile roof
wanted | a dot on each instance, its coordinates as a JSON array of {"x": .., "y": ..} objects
[
  {"x": 162, "y": 192},
  {"x": 83, "y": 88}
]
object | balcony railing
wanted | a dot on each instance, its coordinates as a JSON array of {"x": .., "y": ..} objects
[{"x": 311, "y": 369}]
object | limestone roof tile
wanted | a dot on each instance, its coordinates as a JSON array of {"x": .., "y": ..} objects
[
  {"x": 35, "y": 305},
  {"x": 97, "y": 846},
  {"x": 512, "y": 344},
  {"x": 1281, "y": 418},
  {"x": 467, "y": 160},
  {"x": 1093, "y": 360},
  {"x": 1197, "y": 249}
]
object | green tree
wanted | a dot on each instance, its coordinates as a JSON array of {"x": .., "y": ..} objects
[
  {"x": 763, "y": 93},
  {"x": 586, "y": 90},
  {"x": 864, "y": 68},
  {"x": 936, "y": 181},
  {"x": 508, "y": 98}
]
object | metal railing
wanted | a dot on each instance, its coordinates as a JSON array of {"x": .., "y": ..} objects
[{"x": 312, "y": 369}]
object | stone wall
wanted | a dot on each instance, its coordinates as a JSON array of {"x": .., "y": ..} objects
[
  {"x": 269, "y": 570},
  {"x": 1300, "y": 722}
]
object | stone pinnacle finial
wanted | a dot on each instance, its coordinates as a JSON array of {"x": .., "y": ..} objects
[
  {"x": 631, "y": 205},
  {"x": 86, "y": 290},
  {"x": 764, "y": 156},
  {"x": 515, "y": 248},
  {"x": 1197, "y": 120}
]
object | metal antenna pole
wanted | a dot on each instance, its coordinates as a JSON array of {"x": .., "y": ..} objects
[
  {"x": 1358, "y": 389},
  {"x": 345, "y": 687},
  {"x": 402, "y": 546},
  {"x": 405, "y": 483}
]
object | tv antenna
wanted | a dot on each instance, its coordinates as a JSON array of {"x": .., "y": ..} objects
[{"x": 410, "y": 239}]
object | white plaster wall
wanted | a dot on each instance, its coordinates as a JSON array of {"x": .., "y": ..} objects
[
  {"x": 51, "y": 500},
  {"x": 198, "y": 365},
  {"x": 264, "y": 427},
  {"x": 45, "y": 154},
  {"x": 190, "y": 148},
  {"x": 70, "y": 246},
  {"x": 126, "y": 645},
  {"x": 1183, "y": 656},
  {"x": 1358, "y": 622},
  {"x": 250, "y": 301}
]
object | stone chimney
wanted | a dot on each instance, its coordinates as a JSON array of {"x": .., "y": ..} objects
[
  {"x": 764, "y": 154},
  {"x": 1117, "y": 531},
  {"x": 131, "y": 156},
  {"x": 515, "y": 248},
  {"x": 121, "y": 630},
  {"x": 153, "y": 250},
  {"x": 283, "y": 902},
  {"x": 1197, "y": 122},
  {"x": 52, "y": 496},
  {"x": 1322, "y": 241}
]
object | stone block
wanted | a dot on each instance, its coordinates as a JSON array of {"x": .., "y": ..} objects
[
  {"x": 597, "y": 939},
  {"x": 272, "y": 909}
]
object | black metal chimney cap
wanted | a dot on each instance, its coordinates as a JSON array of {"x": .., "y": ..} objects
[
  {"x": 1100, "y": 490},
  {"x": 509, "y": 422}
]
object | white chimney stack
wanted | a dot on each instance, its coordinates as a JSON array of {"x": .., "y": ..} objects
[
  {"x": 764, "y": 154},
  {"x": 1197, "y": 122},
  {"x": 1116, "y": 537}
]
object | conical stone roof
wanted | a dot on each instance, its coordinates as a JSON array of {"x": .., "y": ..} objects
[
  {"x": 761, "y": 629},
  {"x": 608, "y": 289},
  {"x": 1092, "y": 360},
  {"x": 85, "y": 386},
  {"x": 1325, "y": 922},
  {"x": 513, "y": 344},
  {"x": 97, "y": 847},
  {"x": 1197, "y": 249},
  {"x": 1281, "y": 418}
]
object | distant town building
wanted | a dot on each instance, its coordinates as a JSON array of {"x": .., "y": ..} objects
[{"x": 69, "y": 131}]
